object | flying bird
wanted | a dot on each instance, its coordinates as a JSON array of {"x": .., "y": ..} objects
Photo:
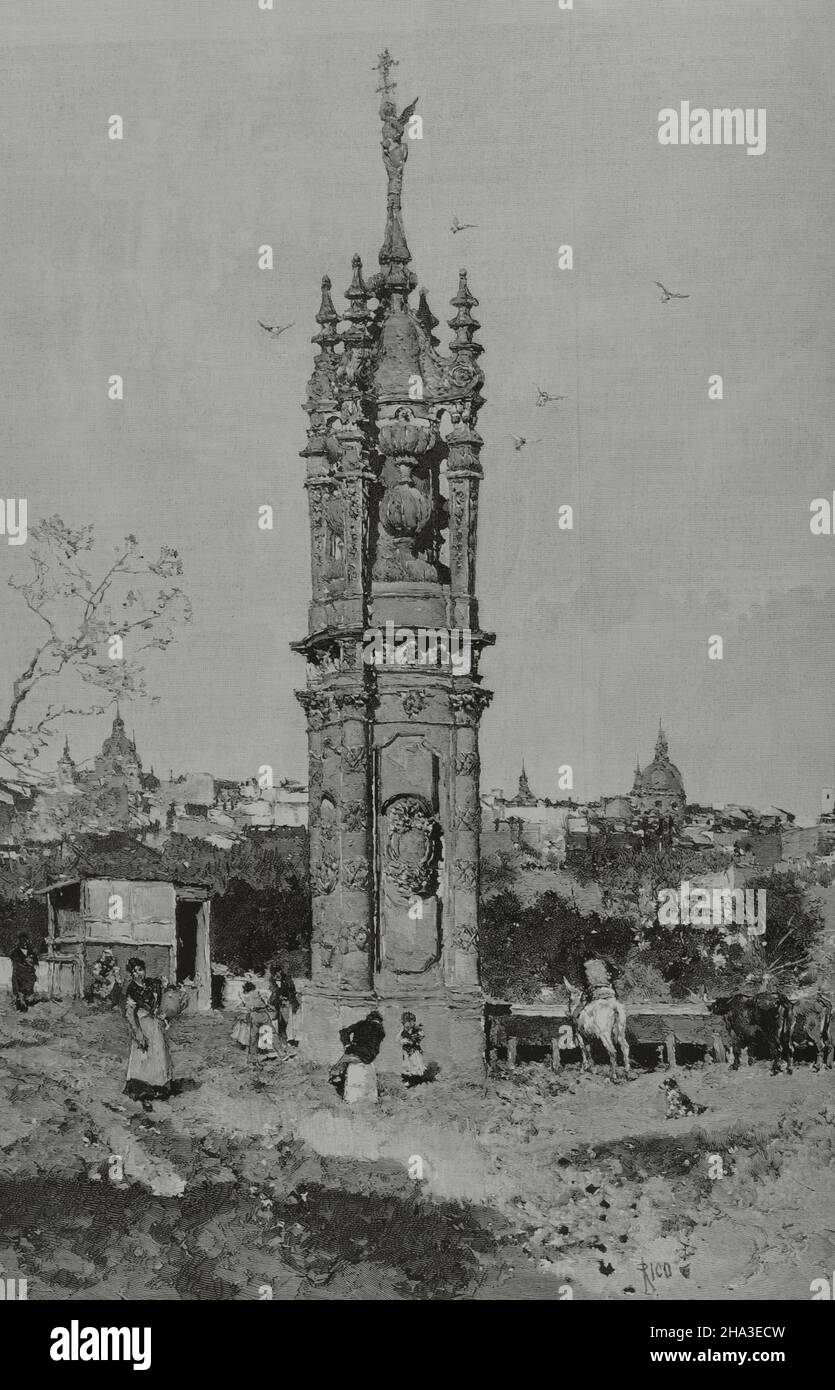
[
  {"x": 519, "y": 441},
  {"x": 542, "y": 397},
  {"x": 667, "y": 295},
  {"x": 461, "y": 226},
  {"x": 276, "y": 330}
]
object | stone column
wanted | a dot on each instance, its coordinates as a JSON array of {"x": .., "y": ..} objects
[
  {"x": 323, "y": 855},
  {"x": 355, "y": 479},
  {"x": 356, "y": 841},
  {"x": 464, "y": 472},
  {"x": 320, "y": 485},
  {"x": 463, "y": 968}
]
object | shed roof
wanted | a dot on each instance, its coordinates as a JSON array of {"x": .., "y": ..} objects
[{"x": 119, "y": 856}]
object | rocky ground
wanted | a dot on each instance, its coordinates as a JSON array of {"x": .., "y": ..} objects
[{"x": 255, "y": 1181}]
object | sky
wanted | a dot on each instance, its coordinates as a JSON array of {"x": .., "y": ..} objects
[{"x": 245, "y": 127}]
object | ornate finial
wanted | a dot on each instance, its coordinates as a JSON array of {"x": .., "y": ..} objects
[
  {"x": 358, "y": 314},
  {"x": 385, "y": 63},
  {"x": 320, "y": 388},
  {"x": 426, "y": 318},
  {"x": 394, "y": 251},
  {"x": 464, "y": 323},
  {"x": 327, "y": 314}
]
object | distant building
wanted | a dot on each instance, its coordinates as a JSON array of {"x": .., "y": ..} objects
[
  {"x": 117, "y": 794},
  {"x": 659, "y": 788},
  {"x": 119, "y": 895},
  {"x": 533, "y": 821}
]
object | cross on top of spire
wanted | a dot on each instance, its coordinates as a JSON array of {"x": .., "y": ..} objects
[{"x": 385, "y": 63}]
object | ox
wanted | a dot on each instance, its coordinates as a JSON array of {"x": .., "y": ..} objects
[
  {"x": 603, "y": 1019},
  {"x": 757, "y": 1020},
  {"x": 811, "y": 1024}
]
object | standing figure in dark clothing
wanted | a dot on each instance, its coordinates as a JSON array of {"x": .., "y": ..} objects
[
  {"x": 285, "y": 1001},
  {"x": 150, "y": 1070},
  {"x": 24, "y": 973},
  {"x": 362, "y": 1042}
]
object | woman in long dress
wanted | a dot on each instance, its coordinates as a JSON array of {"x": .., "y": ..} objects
[
  {"x": 150, "y": 1070},
  {"x": 412, "y": 1067},
  {"x": 255, "y": 1031},
  {"x": 285, "y": 1001}
]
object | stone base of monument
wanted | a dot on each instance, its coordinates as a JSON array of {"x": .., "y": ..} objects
[
  {"x": 453, "y": 1023},
  {"x": 360, "y": 1083}
]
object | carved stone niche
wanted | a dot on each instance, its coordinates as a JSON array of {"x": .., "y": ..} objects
[
  {"x": 333, "y": 560},
  {"x": 409, "y": 852},
  {"x": 404, "y": 542}
]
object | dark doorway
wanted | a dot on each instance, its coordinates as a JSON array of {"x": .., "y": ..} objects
[{"x": 186, "y": 920}]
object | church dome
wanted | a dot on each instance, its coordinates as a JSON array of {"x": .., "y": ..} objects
[{"x": 661, "y": 777}]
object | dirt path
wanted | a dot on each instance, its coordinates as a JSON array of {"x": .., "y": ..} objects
[{"x": 257, "y": 1179}]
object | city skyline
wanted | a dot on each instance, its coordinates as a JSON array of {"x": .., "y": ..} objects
[{"x": 691, "y": 515}]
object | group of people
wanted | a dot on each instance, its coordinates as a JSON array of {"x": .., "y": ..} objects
[
  {"x": 264, "y": 1023},
  {"x": 105, "y": 978},
  {"x": 362, "y": 1042},
  {"x": 268, "y": 1021}
]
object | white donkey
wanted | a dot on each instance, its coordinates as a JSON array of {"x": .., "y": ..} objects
[{"x": 604, "y": 1019}]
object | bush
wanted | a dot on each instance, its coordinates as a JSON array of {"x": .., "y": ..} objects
[
  {"x": 251, "y": 925},
  {"x": 525, "y": 949}
]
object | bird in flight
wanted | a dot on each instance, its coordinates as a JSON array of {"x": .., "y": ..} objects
[
  {"x": 543, "y": 397},
  {"x": 461, "y": 226},
  {"x": 277, "y": 330},
  {"x": 667, "y": 295},
  {"x": 519, "y": 441}
]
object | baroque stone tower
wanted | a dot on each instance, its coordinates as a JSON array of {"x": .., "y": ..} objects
[{"x": 393, "y": 696}]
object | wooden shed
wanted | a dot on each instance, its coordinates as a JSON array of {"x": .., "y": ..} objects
[{"x": 121, "y": 899}]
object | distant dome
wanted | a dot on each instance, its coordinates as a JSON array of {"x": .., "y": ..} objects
[{"x": 660, "y": 780}]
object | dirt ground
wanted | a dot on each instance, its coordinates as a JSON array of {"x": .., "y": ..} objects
[{"x": 255, "y": 1181}]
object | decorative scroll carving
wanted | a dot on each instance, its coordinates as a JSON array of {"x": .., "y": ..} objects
[
  {"x": 354, "y": 703},
  {"x": 465, "y": 874},
  {"x": 412, "y": 849},
  {"x": 324, "y": 875},
  {"x": 316, "y": 772},
  {"x": 468, "y": 705},
  {"x": 413, "y": 702},
  {"x": 317, "y": 706},
  {"x": 465, "y": 936},
  {"x": 354, "y": 815},
  {"x": 354, "y": 759},
  {"x": 468, "y": 816},
  {"x": 355, "y": 873}
]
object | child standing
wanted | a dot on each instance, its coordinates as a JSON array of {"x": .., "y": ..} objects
[{"x": 413, "y": 1067}]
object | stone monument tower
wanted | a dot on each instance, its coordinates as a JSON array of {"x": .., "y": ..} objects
[{"x": 393, "y": 696}]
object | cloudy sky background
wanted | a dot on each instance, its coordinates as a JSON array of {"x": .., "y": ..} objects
[{"x": 692, "y": 517}]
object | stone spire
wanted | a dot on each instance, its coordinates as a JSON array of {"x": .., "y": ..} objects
[
  {"x": 66, "y": 766},
  {"x": 358, "y": 315},
  {"x": 394, "y": 252},
  {"x": 662, "y": 751},
  {"x": 321, "y": 388},
  {"x": 464, "y": 323},
  {"x": 427, "y": 319}
]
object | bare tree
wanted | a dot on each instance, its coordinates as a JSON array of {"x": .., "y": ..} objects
[{"x": 82, "y": 607}]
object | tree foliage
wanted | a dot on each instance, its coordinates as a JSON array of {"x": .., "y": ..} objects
[
  {"x": 80, "y": 606},
  {"x": 524, "y": 949}
]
